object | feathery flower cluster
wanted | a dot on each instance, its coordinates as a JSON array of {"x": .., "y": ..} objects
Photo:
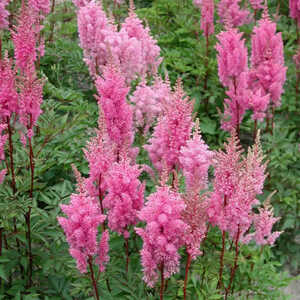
[
  {"x": 132, "y": 48},
  {"x": 125, "y": 196},
  {"x": 81, "y": 3},
  {"x": 237, "y": 182},
  {"x": 207, "y": 17},
  {"x": 232, "y": 68},
  {"x": 197, "y": 3},
  {"x": 231, "y": 13},
  {"x": 148, "y": 101},
  {"x": 195, "y": 159},
  {"x": 3, "y": 14},
  {"x": 117, "y": 112},
  {"x": 256, "y": 4},
  {"x": 295, "y": 10},
  {"x": 40, "y": 6},
  {"x": 163, "y": 234},
  {"x": 81, "y": 229},
  {"x": 8, "y": 93},
  {"x": 171, "y": 132},
  {"x": 268, "y": 72}
]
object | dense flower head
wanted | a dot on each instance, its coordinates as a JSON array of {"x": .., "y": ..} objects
[
  {"x": 197, "y": 3},
  {"x": 40, "y": 6},
  {"x": 237, "y": 182},
  {"x": 24, "y": 39},
  {"x": 295, "y": 10},
  {"x": 147, "y": 100},
  {"x": 81, "y": 229},
  {"x": 150, "y": 50},
  {"x": 231, "y": 12},
  {"x": 4, "y": 13},
  {"x": 256, "y": 4},
  {"x": 195, "y": 217},
  {"x": 163, "y": 234},
  {"x": 195, "y": 159},
  {"x": 31, "y": 97},
  {"x": 125, "y": 196},
  {"x": 8, "y": 93},
  {"x": 118, "y": 114},
  {"x": 258, "y": 103},
  {"x": 232, "y": 55},
  {"x": 207, "y": 17},
  {"x": 80, "y": 3},
  {"x": 100, "y": 155},
  {"x": 171, "y": 132}
]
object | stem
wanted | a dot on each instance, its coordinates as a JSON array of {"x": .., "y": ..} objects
[
  {"x": 162, "y": 281},
  {"x": 187, "y": 266},
  {"x": 11, "y": 149},
  {"x": 50, "y": 39},
  {"x": 31, "y": 158},
  {"x": 254, "y": 130},
  {"x": 206, "y": 71},
  {"x": 235, "y": 263},
  {"x": 127, "y": 254},
  {"x": 272, "y": 122},
  {"x": 93, "y": 278},
  {"x": 220, "y": 282},
  {"x": 29, "y": 252},
  {"x": 101, "y": 200}
]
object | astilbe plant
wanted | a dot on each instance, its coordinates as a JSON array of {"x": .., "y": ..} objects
[
  {"x": 230, "y": 12},
  {"x": 3, "y": 139},
  {"x": 40, "y": 6},
  {"x": 4, "y": 13},
  {"x": 171, "y": 132},
  {"x": 295, "y": 10},
  {"x": 256, "y": 4},
  {"x": 207, "y": 17}
]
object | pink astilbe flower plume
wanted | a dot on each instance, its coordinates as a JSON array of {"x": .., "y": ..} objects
[
  {"x": 81, "y": 229},
  {"x": 195, "y": 159},
  {"x": 295, "y": 10},
  {"x": 148, "y": 102},
  {"x": 207, "y": 17},
  {"x": 256, "y": 4},
  {"x": 172, "y": 131},
  {"x": 268, "y": 72},
  {"x": 231, "y": 12},
  {"x": 118, "y": 114},
  {"x": 8, "y": 92},
  {"x": 40, "y": 6},
  {"x": 163, "y": 234},
  {"x": 3, "y": 139},
  {"x": 233, "y": 73},
  {"x": 125, "y": 196},
  {"x": 4, "y": 13}
]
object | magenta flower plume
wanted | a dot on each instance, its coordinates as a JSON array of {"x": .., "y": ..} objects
[
  {"x": 8, "y": 93},
  {"x": 117, "y": 112},
  {"x": 81, "y": 229},
  {"x": 125, "y": 196},
  {"x": 163, "y": 234},
  {"x": 207, "y": 17},
  {"x": 231, "y": 12},
  {"x": 4, "y": 13},
  {"x": 171, "y": 132},
  {"x": 40, "y": 6},
  {"x": 148, "y": 103},
  {"x": 195, "y": 159},
  {"x": 268, "y": 72},
  {"x": 295, "y": 10}
]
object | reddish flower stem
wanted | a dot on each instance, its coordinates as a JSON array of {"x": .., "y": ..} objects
[
  {"x": 11, "y": 149},
  {"x": 187, "y": 266},
  {"x": 101, "y": 200},
  {"x": 162, "y": 281},
  {"x": 206, "y": 71},
  {"x": 127, "y": 253},
  {"x": 90, "y": 262}
]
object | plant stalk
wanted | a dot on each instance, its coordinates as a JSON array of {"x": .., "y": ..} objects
[
  {"x": 187, "y": 266},
  {"x": 162, "y": 281},
  {"x": 90, "y": 261}
]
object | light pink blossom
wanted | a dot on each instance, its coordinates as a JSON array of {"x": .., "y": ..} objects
[{"x": 4, "y": 13}]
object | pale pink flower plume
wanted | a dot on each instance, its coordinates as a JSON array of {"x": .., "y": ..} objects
[
  {"x": 207, "y": 17},
  {"x": 8, "y": 92},
  {"x": 171, "y": 132},
  {"x": 231, "y": 13},
  {"x": 81, "y": 229},
  {"x": 81, "y": 3},
  {"x": 2, "y": 175},
  {"x": 4, "y": 13},
  {"x": 195, "y": 159},
  {"x": 163, "y": 234},
  {"x": 125, "y": 196},
  {"x": 118, "y": 115},
  {"x": 148, "y": 102},
  {"x": 256, "y": 4},
  {"x": 295, "y": 10},
  {"x": 258, "y": 103},
  {"x": 197, "y": 3}
]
